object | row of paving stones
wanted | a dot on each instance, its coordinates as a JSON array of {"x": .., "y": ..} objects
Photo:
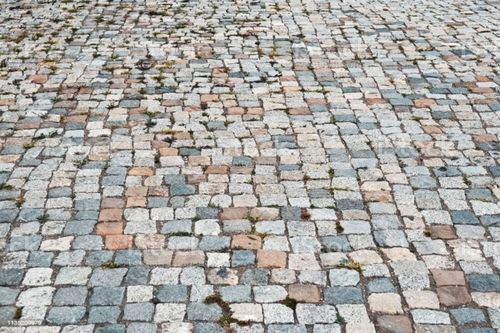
[{"x": 280, "y": 167}]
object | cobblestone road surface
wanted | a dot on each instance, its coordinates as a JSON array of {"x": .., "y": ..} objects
[{"x": 249, "y": 166}]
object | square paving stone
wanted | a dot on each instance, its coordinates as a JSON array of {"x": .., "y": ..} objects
[
  {"x": 169, "y": 312},
  {"x": 70, "y": 296},
  {"x": 381, "y": 285},
  {"x": 453, "y": 295},
  {"x": 8, "y": 295},
  {"x": 114, "y": 328},
  {"x": 40, "y": 259},
  {"x": 7, "y": 313},
  {"x": 128, "y": 257},
  {"x": 104, "y": 314},
  {"x": 484, "y": 282},
  {"x": 464, "y": 217},
  {"x": 343, "y": 295},
  {"x": 97, "y": 258},
  {"x": 141, "y": 328},
  {"x": 203, "y": 312},
  {"x": 466, "y": 316},
  {"x": 66, "y": 315},
  {"x": 138, "y": 311},
  {"x": 137, "y": 275},
  {"x": 107, "y": 296},
  {"x": 479, "y": 330},
  {"x": 256, "y": 277},
  {"x": 73, "y": 275},
  {"x": 393, "y": 324},
  {"x": 236, "y": 294},
  {"x": 107, "y": 277},
  {"x": 208, "y": 328},
  {"x": 242, "y": 258},
  {"x": 11, "y": 277},
  {"x": 172, "y": 293}
]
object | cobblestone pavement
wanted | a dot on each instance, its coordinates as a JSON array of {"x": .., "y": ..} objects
[{"x": 302, "y": 166}]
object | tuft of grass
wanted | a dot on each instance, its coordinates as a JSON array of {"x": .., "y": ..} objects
[
  {"x": 18, "y": 314},
  {"x": 226, "y": 320},
  {"x": 4, "y": 186},
  {"x": 334, "y": 188},
  {"x": 339, "y": 320},
  {"x": 167, "y": 64},
  {"x": 82, "y": 162},
  {"x": 216, "y": 298},
  {"x": 339, "y": 228},
  {"x": 325, "y": 249},
  {"x": 331, "y": 173},
  {"x": 168, "y": 131},
  {"x": 110, "y": 265},
  {"x": 427, "y": 232},
  {"x": 43, "y": 218},
  {"x": 19, "y": 201},
  {"x": 351, "y": 264},
  {"x": 261, "y": 235},
  {"x": 252, "y": 219},
  {"x": 290, "y": 302},
  {"x": 157, "y": 159},
  {"x": 150, "y": 123},
  {"x": 181, "y": 233},
  {"x": 304, "y": 214},
  {"x": 28, "y": 145},
  {"x": 242, "y": 322}
]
